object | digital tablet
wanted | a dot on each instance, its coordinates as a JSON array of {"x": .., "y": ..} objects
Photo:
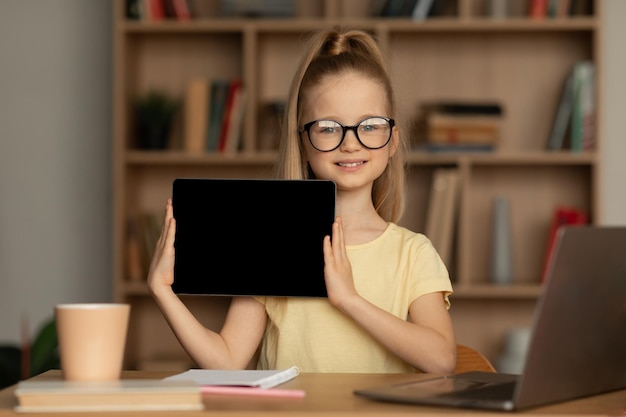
[{"x": 251, "y": 236}]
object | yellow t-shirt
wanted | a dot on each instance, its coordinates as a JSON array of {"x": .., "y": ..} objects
[{"x": 391, "y": 271}]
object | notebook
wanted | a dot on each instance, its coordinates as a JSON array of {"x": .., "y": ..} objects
[
  {"x": 254, "y": 237},
  {"x": 578, "y": 342}
]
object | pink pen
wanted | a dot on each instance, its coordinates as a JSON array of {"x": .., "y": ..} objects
[{"x": 251, "y": 391}]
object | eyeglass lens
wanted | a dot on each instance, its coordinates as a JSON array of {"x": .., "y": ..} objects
[{"x": 326, "y": 135}]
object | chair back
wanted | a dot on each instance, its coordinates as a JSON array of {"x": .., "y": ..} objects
[{"x": 468, "y": 359}]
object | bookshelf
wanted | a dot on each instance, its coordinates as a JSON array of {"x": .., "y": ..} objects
[{"x": 517, "y": 61}]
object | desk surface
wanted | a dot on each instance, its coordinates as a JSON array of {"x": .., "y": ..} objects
[{"x": 330, "y": 395}]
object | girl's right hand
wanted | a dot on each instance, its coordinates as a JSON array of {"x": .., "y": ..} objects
[{"x": 161, "y": 274}]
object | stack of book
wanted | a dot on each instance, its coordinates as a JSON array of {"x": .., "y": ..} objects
[
  {"x": 81, "y": 396},
  {"x": 462, "y": 126},
  {"x": 213, "y": 115}
]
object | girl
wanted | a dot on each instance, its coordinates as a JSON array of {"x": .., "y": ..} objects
[{"x": 387, "y": 288}]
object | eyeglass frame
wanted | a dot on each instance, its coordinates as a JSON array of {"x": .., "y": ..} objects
[{"x": 307, "y": 128}]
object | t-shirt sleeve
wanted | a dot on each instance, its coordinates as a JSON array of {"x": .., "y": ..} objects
[{"x": 429, "y": 272}]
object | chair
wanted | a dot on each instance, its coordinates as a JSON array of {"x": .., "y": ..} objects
[{"x": 468, "y": 359}]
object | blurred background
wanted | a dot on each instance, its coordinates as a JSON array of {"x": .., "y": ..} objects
[{"x": 55, "y": 152}]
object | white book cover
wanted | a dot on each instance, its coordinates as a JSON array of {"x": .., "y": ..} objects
[{"x": 245, "y": 378}]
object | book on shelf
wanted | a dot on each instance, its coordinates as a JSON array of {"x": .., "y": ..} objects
[
  {"x": 537, "y": 9},
  {"x": 463, "y": 128},
  {"x": 133, "y": 9},
  {"x": 581, "y": 7},
  {"x": 562, "y": 216},
  {"x": 422, "y": 9},
  {"x": 196, "y": 115},
  {"x": 234, "y": 128},
  {"x": 252, "y": 378},
  {"x": 229, "y": 114},
  {"x": 457, "y": 125},
  {"x": 393, "y": 8},
  {"x": 583, "y": 111},
  {"x": 182, "y": 9},
  {"x": 155, "y": 9},
  {"x": 559, "y": 8},
  {"x": 441, "y": 211},
  {"x": 497, "y": 9},
  {"x": 562, "y": 117},
  {"x": 218, "y": 97},
  {"x": 122, "y": 395}
]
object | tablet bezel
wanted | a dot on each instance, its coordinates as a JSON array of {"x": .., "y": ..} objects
[{"x": 267, "y": 241}]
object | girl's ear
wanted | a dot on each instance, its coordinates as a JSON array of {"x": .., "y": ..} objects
[{"x": 395, "y": 141}]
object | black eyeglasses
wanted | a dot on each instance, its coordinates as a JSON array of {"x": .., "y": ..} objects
[{"x": 327, "y": 135}]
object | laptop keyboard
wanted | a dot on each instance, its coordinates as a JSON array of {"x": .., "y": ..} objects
[{"x": 496, "y": 392}]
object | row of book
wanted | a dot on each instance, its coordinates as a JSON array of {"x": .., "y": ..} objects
[
  {"x": 183, "y": 10},
  {"x": 460, "y": 126},
  {"x": 558, "y": 8},
  {"x": 441, "y": 216},
  {"x": 156, "y": 10},
  {"x": 415, "y": 9},
  {"x": 425, "y": 9},
  {"x": 213, "y": 115},
  {"x": 475, "y": 126},
  {"x": 179, "y": 392},
  {"x": 574, "y": 121}
]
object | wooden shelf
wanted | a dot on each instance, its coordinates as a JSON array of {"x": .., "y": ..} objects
[
  {"x": 159, "y": 158},
  {"x": 517, "y": 61},
  {"x": 299, "y": 25},
  {"x": 499, "y": 292},
  {"x": 415, "y": 158}
]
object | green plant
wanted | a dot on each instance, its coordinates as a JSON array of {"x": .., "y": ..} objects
[
  {"x": 154, "y": 113},
  {"x": 156, "y": 107},
  {"x": 43, "y": 352}
]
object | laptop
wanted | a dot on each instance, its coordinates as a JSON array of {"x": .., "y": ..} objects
[
  {"x": 578, "y": 342},
  {"x": 253, "y": 237}
]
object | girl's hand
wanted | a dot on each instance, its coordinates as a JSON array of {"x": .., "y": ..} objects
[
  {"x": 337, "y": 268},
  {"x": 161, "y": 274}
]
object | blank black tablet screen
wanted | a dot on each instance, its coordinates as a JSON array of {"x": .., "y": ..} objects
[{"x": 251, "y": 236}]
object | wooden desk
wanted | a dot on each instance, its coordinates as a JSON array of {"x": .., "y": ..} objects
[{"x": 331, "y": 395}]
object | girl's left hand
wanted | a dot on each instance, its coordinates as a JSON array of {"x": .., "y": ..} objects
[{"x": 337, "y": 268}]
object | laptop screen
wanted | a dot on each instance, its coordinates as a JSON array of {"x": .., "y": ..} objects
[{"x": 251, "y": 236}]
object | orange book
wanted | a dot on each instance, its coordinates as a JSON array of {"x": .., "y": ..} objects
[{"x": 196, "y": 115}]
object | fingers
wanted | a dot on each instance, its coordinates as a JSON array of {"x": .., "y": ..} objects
[
  {"x": 169, "y": 214},
  {"x": 334, "y": 247},
  {"x": 338, "y": 243},
  {"x": 171, "y": 233}
]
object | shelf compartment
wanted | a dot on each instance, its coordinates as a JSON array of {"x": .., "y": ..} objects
[{"x": 534, "y": 194}]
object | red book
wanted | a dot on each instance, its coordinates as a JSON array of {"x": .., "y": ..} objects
[
  {"x": 154, "y": 10},
  {"x": 233, "y": 90},
  {"x": 563, "y": 216},
  {"x": 181, "y": 7},
  {"x": 537, "y": 9}
]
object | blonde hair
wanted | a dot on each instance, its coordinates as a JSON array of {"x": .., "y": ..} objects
[{"x": 332, "y": 52}]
